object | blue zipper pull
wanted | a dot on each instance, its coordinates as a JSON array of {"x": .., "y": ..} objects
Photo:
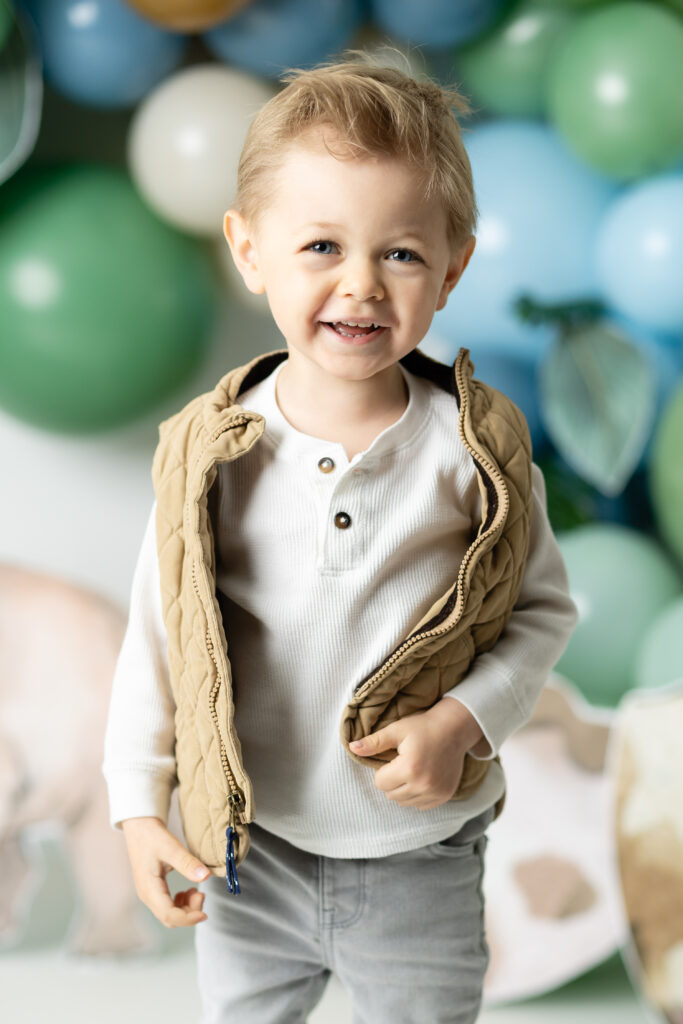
[
  {"x": 230, "y": 867},
  {"x": 232, "y": 836}
]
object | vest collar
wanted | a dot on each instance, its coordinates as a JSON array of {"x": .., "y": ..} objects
[{"x": 222, "y": 403}]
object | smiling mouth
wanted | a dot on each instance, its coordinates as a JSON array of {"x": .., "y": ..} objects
[{"x": 352, "y": 329}]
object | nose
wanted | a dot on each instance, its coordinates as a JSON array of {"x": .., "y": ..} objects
[{"x": 360, "y": 280}]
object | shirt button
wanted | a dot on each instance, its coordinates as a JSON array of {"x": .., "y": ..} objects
[
  {"x": 326, "y": 464},
  {"x": 342, "y": 520}
]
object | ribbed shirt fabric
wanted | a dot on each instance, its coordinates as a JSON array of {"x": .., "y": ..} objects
[{"x": 310, "y": 608}]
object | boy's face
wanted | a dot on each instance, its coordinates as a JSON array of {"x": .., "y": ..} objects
[{"x": 343, "y": 242}]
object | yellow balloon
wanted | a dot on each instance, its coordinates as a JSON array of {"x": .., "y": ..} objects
[{"x": 187, "y": 15}]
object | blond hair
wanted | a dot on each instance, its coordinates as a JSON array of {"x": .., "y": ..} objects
[{"x": 374, "y": 110}]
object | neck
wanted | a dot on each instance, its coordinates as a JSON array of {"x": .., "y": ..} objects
[{"x": 308, "y": 395}]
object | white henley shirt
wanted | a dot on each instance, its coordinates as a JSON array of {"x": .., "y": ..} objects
[{"x": 310, "y": 609}]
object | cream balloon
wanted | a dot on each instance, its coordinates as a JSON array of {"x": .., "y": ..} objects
[
  {"x": 185, "y": 140},
  {"x": 187, "y": 15}
]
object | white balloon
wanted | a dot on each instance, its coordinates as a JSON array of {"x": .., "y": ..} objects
[{"x": 185, "y": 141}]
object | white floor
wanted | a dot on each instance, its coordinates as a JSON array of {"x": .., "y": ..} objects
[{"x": 47, "y": 985}]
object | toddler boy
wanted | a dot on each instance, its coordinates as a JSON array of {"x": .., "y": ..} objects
[{"x": 349, "y": 542}]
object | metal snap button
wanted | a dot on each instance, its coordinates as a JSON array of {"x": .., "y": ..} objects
[
  {"x": 326, "y": 464},
  {"x": 342, "y": 520}
]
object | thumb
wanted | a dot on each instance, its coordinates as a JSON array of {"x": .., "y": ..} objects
[
  {"x": 183, "y": 861},
  {"x": 384, "y": 739}
]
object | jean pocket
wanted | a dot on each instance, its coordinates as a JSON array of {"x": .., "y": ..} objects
[{"x": 463, "y": 842}]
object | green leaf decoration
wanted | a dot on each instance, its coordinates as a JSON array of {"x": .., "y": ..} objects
[
  {"x": 597, "y": 400},
  {"x": 566, "y": 315},
  {"x": 21, "y": 88}
]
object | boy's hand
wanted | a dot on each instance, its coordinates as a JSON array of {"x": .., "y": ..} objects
[
  {"x": 431, "y": 748},
  {"x": 153, "y": 852}
]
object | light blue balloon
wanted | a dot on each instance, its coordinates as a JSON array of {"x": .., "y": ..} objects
[
  {"x": 639, "y": 252},
  {"x": 435, "y": 22},
  {"x": 269, "y": 35},
  {"x": 515, "y": 375},
  {"x": 665, "y": 353},
  {"x": 538, "y": 210},
  {"x": 101, "y": 53}
]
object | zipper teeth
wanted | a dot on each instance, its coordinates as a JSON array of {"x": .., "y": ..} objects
[
  {"x": 214, "y": 714},
  {"x": 212, "y": 701},
  {"x": 386, "y": 667},
  {"x": 236, "y": 421}
]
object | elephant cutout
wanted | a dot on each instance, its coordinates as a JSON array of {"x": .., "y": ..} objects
[{"x": 58, "y": 649}]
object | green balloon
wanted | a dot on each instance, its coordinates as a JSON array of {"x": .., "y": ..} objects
[
  {"x": 104, "y": 309},
  {"x": 660, "y": 657},
  {"x": 507, "y": 69},
  {"x": 665, "y": 473},
  {"x": 620, "y": 580},
  {"x": 615, "y": 92}
]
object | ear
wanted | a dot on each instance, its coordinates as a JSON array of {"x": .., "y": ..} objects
[
  {"x": 455, "y": 270},
  {"x": 239, "y": 237}
]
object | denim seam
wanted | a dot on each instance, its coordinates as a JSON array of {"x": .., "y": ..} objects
[{"x": 340, "y": 926}]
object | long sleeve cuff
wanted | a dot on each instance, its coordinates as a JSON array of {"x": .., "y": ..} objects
[
  {"x": 484, "y": 693},
  {"x": 138, "y": 794}
]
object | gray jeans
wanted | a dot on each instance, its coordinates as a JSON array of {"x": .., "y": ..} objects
[{"x": 404, "y": 933}]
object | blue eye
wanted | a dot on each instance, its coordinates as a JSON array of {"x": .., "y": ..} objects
[
  {"x": 322, "y": 247},
  {"x": 404, "y": 256}
]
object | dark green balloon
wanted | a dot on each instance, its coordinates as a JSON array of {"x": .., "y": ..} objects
[
  {"x": 616, "y": 89},
  {"x": 506, "y": 70},
  {"x": 6, "y": 23},
  {"x": 104, "y": 309}
]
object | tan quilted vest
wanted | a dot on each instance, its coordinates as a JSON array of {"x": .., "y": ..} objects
[{"x": 466, "y": 620}]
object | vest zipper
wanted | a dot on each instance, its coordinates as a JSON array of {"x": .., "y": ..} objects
[
  {"x": 492, "y": 474},
  {"x": 214, "y": 714},
  {"x": 212, "y": 703},
  {"x": 235, "y": 799}
]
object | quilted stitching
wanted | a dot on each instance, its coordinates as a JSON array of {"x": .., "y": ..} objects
[{"x": 181, "y": 462}]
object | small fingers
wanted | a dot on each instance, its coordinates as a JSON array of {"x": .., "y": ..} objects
[
  {"x": 181, "y": 917},
  {"x": 191, "y": 899},
  {"x": 181, "y": 911}
]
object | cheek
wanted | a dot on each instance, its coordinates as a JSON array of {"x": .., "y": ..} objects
[
  {"x": 422, "y": 298},
  {"x": 304, "y": 292},
  {"x": 293, "y": 303}
]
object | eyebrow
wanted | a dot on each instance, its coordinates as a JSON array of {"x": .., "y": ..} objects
[{"x": 408, "y": 231}]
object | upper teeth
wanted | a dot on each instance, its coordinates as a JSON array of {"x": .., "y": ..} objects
[{"x": 354, "y": 323}]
